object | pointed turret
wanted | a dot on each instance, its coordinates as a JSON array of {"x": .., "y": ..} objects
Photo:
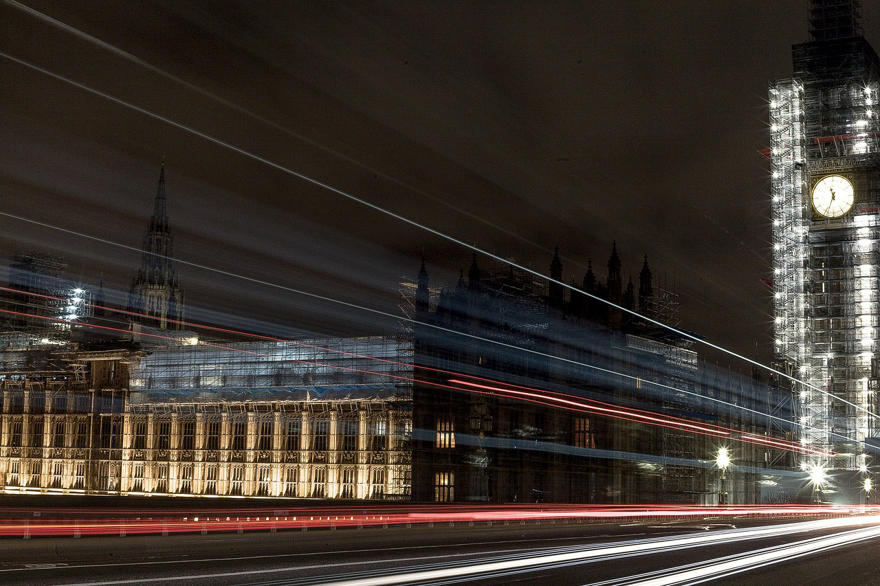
[
  {"x": 159, "y": 219},
  {"x": 422, "y": 293},
  {"x": 590, "y": 278},
  {"x": 555, "y": 296},
  {"x": 646, "y": 289},
  {"x": 614, "y": 286},
  {"x": 460, "y": 285},
  {"x": 614, "y": 282},
  {"x": 589, "y": 307},
  {"x": 155, "y": 291},
  {"x": 474, "y": 275},
  {"x": 629, "y": 296}
]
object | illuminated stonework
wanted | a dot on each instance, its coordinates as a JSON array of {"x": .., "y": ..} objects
[{"x": 83, "y": 429}]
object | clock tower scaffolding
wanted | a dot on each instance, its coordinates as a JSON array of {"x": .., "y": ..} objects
[{"x": 825, "y": 202}]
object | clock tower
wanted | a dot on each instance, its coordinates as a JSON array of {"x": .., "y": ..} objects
[{"x": 825, "y": 192}]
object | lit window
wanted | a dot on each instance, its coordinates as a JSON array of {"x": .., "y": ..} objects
[
  {"x": 267, "y": 427},
  {"x": 445, "y": 437},
  {"x": 291, "y": 481},
  {"x": 319, "y": 482},
  {"x": 444, "y": 487},
  {"x": 349, "y": 435},
  {"x": 137, "y": 477},
  {"x": 377, "y": 486},
  {"x": 348, "y": 483},
  {"x": 265, "y": 481},
  {"x": 210, "y": 485},
  {"x": 380, "y": 434},
  {"x": 584, "y": 435}
]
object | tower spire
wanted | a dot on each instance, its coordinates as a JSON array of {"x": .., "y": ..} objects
[
  {"x": 159, "y": 220},
  {"x": 555, "y": 289},
  {"x": 155, "y": 290},
  {"x": 614, "y": 282},
  {"x": 422, "y": 293},
  {"x": 474, "y": 275},
  {"x": 646, "y": 289}
]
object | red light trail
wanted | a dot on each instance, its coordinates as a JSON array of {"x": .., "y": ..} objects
[
  {"x": 76, "y": 522},
  {"x": 578, "y": 404},
  {"x": 529, "y": 394}
]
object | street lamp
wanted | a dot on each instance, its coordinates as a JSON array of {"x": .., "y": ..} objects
[
  {"x": 818, "y": 478},
  {"x": 722, "y": 461}
]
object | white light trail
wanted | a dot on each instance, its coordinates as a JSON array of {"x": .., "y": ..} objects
[
  {"x": 263, "y": 120},
  {"x": 311, "y": 295},
  {"x": 735, "y": 564},
  {"x": 419, "y": 225},
  {"x": 641, "y": 547}
]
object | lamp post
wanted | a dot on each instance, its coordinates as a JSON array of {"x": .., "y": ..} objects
[{"x": 722, "y": 461}]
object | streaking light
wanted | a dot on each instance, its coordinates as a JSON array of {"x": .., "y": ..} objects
[{"x": 389, "y": 213}]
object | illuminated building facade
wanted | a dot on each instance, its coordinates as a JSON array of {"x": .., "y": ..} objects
[
  {"x": 825, "y": 201},
  {"x": 303, "y": 419}
]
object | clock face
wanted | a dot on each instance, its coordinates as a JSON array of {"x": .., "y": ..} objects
[{"x": 833, "y": 196}]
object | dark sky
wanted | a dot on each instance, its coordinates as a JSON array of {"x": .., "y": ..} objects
[{"x": 515, "y": 126}]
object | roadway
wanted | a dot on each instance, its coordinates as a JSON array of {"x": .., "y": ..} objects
[{"x": 667, "y": 551}]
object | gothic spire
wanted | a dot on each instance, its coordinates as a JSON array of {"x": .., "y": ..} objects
[
  {"x": 159, "y": 220},
  {"x": 556, "y": 289},
  {"x": 614, "y": 282},
  {"x": 155, "y": 290},
  {"x": 423, "y": 272},
  {"x": 629, "y": 295},
  {"x": 646, "y": 288},
  {"x": 474, "y": 275},
  {"x": 460, "y": 286},
  {"x": 422, "y": 294},
  {"x": 589, "y": 278}
]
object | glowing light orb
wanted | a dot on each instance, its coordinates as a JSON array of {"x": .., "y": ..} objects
[
  {"x": 818, "y": 475},
  {"x": 722, "y": 459}
]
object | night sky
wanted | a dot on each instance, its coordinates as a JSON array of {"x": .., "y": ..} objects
[{"x": 515, "y": 126}]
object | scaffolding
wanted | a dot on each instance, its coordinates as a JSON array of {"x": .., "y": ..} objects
[
  {"x": 679, "y": 366},
  {"x": 789, "y": 209},
  {"x": 321, "y": 367},
  {"x": 825, "y": 269},
  {"x": 664, "y": 307}
]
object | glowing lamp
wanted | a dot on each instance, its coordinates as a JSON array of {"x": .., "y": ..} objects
[
  {"x": 722, "y": 459},
  {"x": 818, "y": 475}
]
